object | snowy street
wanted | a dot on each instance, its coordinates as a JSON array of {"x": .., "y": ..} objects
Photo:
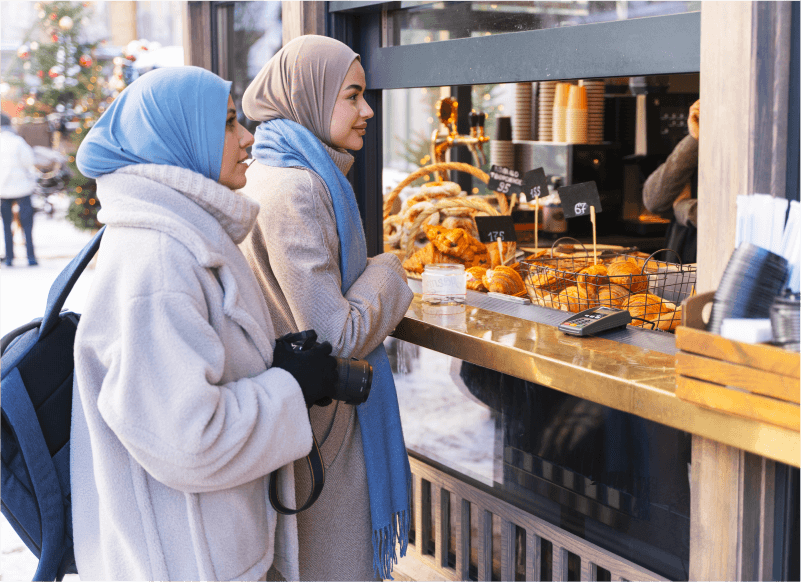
[{"x": 23, "y": 296}]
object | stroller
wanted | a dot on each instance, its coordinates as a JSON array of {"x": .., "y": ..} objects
[{"x": 53, "y": 176}]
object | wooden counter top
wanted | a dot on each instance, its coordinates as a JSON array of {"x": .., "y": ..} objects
[{"x": 621, "y": 376}]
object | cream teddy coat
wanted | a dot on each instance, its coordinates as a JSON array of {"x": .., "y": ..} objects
[{"x": 178, "y": 419}]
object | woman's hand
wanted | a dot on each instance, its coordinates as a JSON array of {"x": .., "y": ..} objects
[
  {"x": 693, "y": 119},
  {"x": 315, "y": 369}
]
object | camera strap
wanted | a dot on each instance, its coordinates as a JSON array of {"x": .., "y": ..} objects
[{"x": 317, "y": 472}]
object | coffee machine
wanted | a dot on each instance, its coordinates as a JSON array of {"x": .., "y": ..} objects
[{"x": 566, "y": 164}]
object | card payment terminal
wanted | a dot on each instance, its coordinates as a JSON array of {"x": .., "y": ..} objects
[{"x": 595, "y": 320}]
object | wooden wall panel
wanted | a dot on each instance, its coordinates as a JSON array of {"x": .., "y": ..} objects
[
  {"x": 299, "y": 18},
  {"x": 723, "y": 145}
]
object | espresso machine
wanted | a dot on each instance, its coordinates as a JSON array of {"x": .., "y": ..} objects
[{"x": 566, "y": 164}]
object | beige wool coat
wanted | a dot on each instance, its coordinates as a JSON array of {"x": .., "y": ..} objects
[{"x": 294, "y": 251}]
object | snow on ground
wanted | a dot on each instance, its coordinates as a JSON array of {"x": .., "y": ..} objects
[
  {"x": 23, "y": 297},
  {"x": 441, "y": 420}
]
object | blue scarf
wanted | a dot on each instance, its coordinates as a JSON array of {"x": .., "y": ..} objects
[
  {"x": 173, "y": 116},
  {"x": 283, "y": 143}
]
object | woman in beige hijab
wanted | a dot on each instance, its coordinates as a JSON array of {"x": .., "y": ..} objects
[{"x": 309, "y": 254}]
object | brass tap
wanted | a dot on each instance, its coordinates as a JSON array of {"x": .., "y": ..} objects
[{"x": 442, "y": 141}]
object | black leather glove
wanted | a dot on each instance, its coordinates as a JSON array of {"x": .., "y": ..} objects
[{"x": 315, "y": 369}]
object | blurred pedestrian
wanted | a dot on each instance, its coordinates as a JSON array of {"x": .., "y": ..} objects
[{"x": 17, "y": 183}]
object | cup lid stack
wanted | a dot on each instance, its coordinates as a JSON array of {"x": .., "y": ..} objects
[
  {"x": 752, "y": 280},
  {"x": 546, "y": 91}
]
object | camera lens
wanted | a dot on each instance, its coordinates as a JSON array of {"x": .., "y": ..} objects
[{"x": 355, "y": 380}]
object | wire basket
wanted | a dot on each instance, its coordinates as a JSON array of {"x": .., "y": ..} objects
[{"x": 651, "y": 290}]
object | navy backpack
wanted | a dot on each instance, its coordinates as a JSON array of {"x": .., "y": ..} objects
[{"x": 37, "y": 372}]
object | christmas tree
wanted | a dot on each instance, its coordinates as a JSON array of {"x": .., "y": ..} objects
[{"x": 58, "y": 78}]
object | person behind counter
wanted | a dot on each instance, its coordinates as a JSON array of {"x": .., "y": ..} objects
[
  {"x": 178, "y": 417},
  {"x": 310, "y": 256},
  {"x": 675, "y": 183}
]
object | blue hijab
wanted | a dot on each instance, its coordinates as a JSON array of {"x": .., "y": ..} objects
[{"x": 173, "y": 116}]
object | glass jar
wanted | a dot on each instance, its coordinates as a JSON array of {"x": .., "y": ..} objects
[{"x": 444, "y": 284}]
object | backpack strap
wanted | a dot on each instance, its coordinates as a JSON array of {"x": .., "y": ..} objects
[
  {"x": 18, "y": 410},
  {"x": 65, "y": 281}
]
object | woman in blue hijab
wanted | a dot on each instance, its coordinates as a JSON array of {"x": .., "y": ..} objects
[{"x": 181, "y": 409}]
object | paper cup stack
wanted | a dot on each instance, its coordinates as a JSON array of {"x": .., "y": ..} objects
[
  {"x": 576, "y": 115},
  {"x": 502, "y": 151},
  {"x": 560, "y": 112},
  {"x": 595, "y": 109},
  {"x": 546, "y": 90},
  {"x": 521, "y": 129}
]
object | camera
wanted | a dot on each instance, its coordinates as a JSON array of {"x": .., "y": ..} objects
[{"x": 355, "y": 377}]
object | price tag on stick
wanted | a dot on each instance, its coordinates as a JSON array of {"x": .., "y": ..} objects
[
  {"x": 582, "y": 200},
  {"x": 498, "y": 229},
  {"x": 535, "y": 184},
  {"x": 505, "y": 180}
]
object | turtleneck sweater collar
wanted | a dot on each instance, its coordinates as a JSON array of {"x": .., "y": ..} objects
[{"x": 342, "y": 159}]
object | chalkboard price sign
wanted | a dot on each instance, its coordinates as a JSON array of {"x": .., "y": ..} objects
[
  {"x": 535, "y": 184},
  {"x": 504, "y": 180},
  {"x": 578, "y": 198},
  {"x": 495, "y": 228}
]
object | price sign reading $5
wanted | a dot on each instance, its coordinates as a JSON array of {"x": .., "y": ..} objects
[{"x": 535, "y": 184}]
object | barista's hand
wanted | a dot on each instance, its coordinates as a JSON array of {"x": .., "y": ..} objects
[{"x": 693, "y": 118}]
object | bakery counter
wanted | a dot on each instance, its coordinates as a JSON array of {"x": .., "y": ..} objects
[{"x": 631, "y": 370}]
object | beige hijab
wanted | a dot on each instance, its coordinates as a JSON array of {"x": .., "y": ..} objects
[{"x": 301, "y": 83}]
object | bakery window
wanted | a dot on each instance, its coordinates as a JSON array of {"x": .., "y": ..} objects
[
  {"x": 423, "y": 22},
  {"x": 245, "y": 36},
  {"x": 629, "y": 126}
]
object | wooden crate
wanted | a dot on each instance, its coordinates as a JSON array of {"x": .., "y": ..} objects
[{"x": 758, "y": 381}]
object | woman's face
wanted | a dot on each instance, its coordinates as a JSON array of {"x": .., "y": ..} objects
[
  {"x": 237, "y": 140},
  {"x": 351, "y": 111}
]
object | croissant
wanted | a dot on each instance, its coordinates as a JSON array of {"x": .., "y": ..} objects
[
  {"x": 613, "y": 296},
  {"x": 465, "y": 223},
  {"x": 422, "y": 257},
  {"x": 492, "y": 249},
  {"x": 647, "y": 305},
  {"x": 575, "y": 299},
  {"x": 627, "y": 274},
  {"x": 503, "y": 279},
  {"x": 474, "y": 276},
  {"x": 546, "y": 280},
  {"x": 456, "y": 242},
  {"x": 543, "y": 298},
  {"x": 592, "y": 278}
]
